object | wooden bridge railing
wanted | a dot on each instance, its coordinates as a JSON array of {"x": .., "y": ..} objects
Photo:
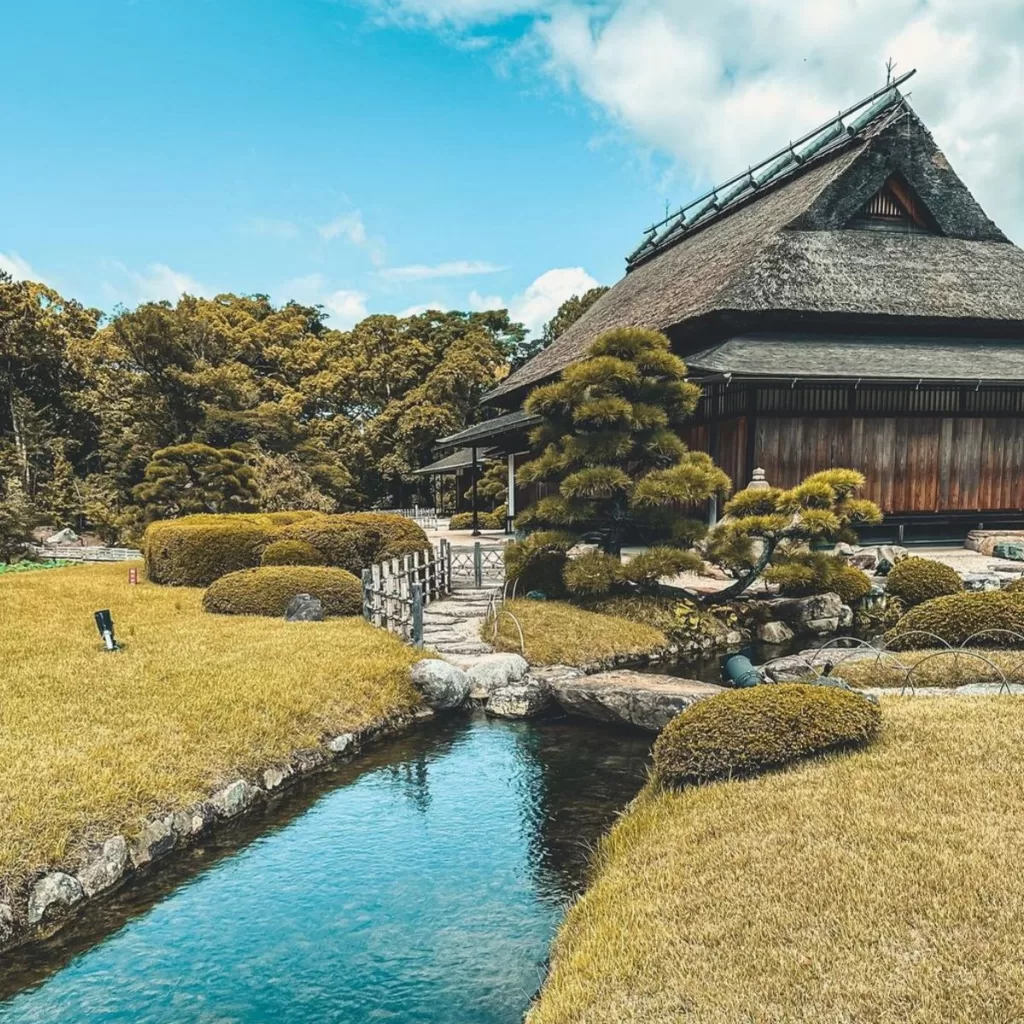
[{"x": 395, "y": 592}]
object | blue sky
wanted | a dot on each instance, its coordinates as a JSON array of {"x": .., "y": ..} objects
[{"x": 386, "y": 154}]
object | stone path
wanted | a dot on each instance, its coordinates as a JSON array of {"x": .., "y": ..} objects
[{"x": 452, "y": 626}]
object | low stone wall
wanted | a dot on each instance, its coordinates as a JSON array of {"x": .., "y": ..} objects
[
  {"x": 79, "y": 553},
  {"x": 52, "y": 898}
]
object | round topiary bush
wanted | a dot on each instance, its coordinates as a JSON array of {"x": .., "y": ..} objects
[
  {"x": 915, "y": 580},
  {"x": 340, "y": 544},
  {"x": 267, "y": 590},
  {"x": 850, "y": 583},
  {"x": 291, "y": 552},
  {"x": 958, "y": 618},
  {"x": 742, "y": 732},
  {"x": 398, "y": 534}
]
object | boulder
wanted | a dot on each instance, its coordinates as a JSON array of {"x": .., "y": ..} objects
[
  {"x": 343, "y": 744},
  {"x": 493, "y": 671},
  {"x": 845, "y": 617},
  {"x": 985, "y": 541},
  {"x": 65, "y": 536},
  {"x": 232, "y": 800},
  {"x": 981, "y": 582},
  {"x": 274, "y": 777},
  {"x": 1011, "y": 551},
  {"x": 6, "y": 923},
  {"x": 442, "y": 685},
  {"x": 888, "y": 556},
  {"x": 525, "y": 699},
  {"x": 107, "y": 869},
  {"x": 819, "y": 614},
  {"x": 866, "y": 559},
  {"x": 843, "y": 550},
  {"x": 795, "y": 668},
  {"x": 625, "y": 697},
  {"x": 53, "y": 896},
  {"x": 774, "y": 633},
  {"x": 156, "y": 840},
  {"x": 304, "y": 608}
]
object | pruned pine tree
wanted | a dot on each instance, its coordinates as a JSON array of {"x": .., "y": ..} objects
[
  {"x": 761, "y": 524},
  {"x": 612, "y": 452},
  {"x": 186, "y": 479}
]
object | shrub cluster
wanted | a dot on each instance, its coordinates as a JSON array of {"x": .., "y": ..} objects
[
  {"x": 916, "y": 580},
  {"x": 813, "y": 572},
  {"x": 487, "y": 520},
  {"x": 958, "y": 617},
  {"x": 742, "y": 732},
  {"x": 196, "y": 550},
  {"x": 267, "y": 590}
]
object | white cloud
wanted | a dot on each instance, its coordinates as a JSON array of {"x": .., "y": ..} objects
[
  {"x": 535, "y": 306},
  {"x": 347, "y": 307},
  {"x": 155, "y": 283},
  {"x": 421, "y": 308},
  {"x": 425, "y": 272},
  {"x": 271, "y": 227},
  {"x": 20, "y": 269},
  {"x": 351, "y": 227},
  {"x": 718, "y": 86}
]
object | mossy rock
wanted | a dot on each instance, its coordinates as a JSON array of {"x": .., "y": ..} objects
[
  {"x": 743, "y": 732},
  {"x": 291, "y": 552},
  {"x": 958, "y": 618},
  {"x": 269, "y": 589},
  {"x": 916, "y": 580}
]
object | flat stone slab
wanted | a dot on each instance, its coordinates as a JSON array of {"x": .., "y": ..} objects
[{"x": 625, "y": 697}]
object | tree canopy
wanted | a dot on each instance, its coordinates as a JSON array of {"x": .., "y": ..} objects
[{"x": 320, "y": 417}]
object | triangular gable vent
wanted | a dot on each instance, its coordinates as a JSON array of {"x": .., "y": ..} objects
[{"x": 895, "y": 207}]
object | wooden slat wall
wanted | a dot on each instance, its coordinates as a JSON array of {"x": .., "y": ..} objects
[
  {"x": 732, "y": 447},
  {"x": 913, "y": 464}
]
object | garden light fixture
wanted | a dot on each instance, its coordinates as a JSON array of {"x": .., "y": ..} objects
[{"x": 105, "y": 625}]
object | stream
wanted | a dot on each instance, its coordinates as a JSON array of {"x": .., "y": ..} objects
[{"x": 421, "y": 884}]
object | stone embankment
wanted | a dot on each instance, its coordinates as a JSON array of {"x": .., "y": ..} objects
[{"x": 53, "y": 898}]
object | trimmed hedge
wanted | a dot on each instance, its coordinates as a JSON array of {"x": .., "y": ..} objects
[
  {"x": 743, "y": 732},
  {"x": 487, "y": 521},
  {"x": 196, "y": 550},
  {"x": 916, "y": 580},
  {"x": 958, "y": 617},
  {"x": 291, "y": 552},
  {"x": 267, "y": 590}
]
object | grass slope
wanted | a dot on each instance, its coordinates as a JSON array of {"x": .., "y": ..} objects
[
  {"x": 879, "y": 886},
  {"x": 557, "y": 633},
  {"x": 91, "y": 743}
]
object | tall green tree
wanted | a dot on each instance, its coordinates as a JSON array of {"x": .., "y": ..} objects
[{"x": 610, "y": 445}]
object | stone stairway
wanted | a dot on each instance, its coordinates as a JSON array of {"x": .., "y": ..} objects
[{"x": 451, "y": 626}]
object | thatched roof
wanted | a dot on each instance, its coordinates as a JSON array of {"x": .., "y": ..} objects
[
  {"x": 786, "y": 248},
  {"x": 824, "y": 357}
]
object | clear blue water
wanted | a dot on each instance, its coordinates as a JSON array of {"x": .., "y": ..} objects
[{"x": 421, "y": 885}]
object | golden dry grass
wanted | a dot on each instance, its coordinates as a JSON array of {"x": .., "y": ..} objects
[
  {"x": 557, "y": 633},
  {"x": 937, "y": 668},
  {"x": 882, "y": 887},
  {"x": 92, "y": 743}
]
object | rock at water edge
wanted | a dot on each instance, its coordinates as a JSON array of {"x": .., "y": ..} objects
[
  {"x": 774, "y": 633},
  {"x": 493, "y": 671},
  {"x": 443, "y": 686},
  {"x": 52, "y": 896},
  {"x": 107, "y": 869},
  {"x": 526, "y": 699}
]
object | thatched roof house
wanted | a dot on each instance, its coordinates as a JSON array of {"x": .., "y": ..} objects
[{"x": 846, "y": 301}]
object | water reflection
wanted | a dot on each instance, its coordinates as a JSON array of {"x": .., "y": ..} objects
[{"x": 422, "y": 887}]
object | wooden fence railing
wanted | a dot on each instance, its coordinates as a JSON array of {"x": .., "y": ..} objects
[{"x": 395, "y": 592}]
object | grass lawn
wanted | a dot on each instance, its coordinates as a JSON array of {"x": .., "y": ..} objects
[
  {"x": 972, "y": 665},
  {"x": 881, "y": 886},
  {"x": 92, "y": 743},
  {"x": 557, "y": 633}
]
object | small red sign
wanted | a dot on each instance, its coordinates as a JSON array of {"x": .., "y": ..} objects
[{"x": 133, "y": 576}]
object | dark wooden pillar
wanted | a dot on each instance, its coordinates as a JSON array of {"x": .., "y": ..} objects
[{"x": 476, "y": 515}]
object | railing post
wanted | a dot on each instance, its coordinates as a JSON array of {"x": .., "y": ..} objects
[
  {"x": 478, "y": 566},
  {"x": 417, "y": 615},
  {"x": 449, "y": 585},
  {"x": 367, "y": 595}
]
